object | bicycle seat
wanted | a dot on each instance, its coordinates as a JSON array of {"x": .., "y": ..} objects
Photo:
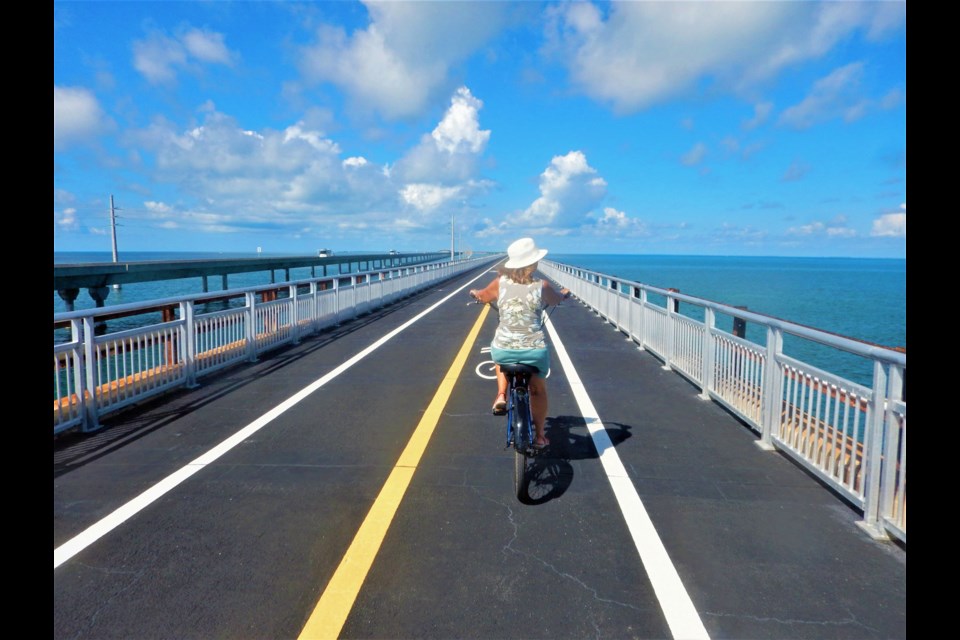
[{"x": 514, "y": 369}]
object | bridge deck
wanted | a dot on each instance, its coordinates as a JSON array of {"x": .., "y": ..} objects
[{"x": 242, "y": 542}]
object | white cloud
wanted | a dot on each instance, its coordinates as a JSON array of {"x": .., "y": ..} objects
[
  {"x": 77, "y": 116},
  {"x": 158, "y": 209},
  {"x": 761, "y": 113},
  {"x": 314, "y": 138},
  {"x": 695, "y": 155},
  {"x": 372, "y": 74},
  {"x": 158, "y": 57},
  {"x": 427, "y": 197},
  {"x": 806, "y": 229},
  {"x": 619, "y": 223},
  {"x": 730, "y": 233},
  {"x": 836, "y": 95},
  {"x": 460, "y": 127},
  {"x": 269, "y": 177},
  {"x": 642, "y": 53},
  {"x": 489, "y": 228},
  {"x": 891, "y": 225},
  {"x": 795, "y": 171},
  {"x": 841, "y": 232},
  {"x": 450, "y": 153},
  {"x": 837, "y": 228},
  {"x": 894, "y": 98},
  {"x": 570, "y": 188},
  {"x": 207, "y": 46},
  {"x": 66, "y": 220},
  {"x": 298, "y": 178},
  {"x": 404, "y": 57}
]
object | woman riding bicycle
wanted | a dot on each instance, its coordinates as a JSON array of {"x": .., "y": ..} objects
[{"x": 520, "y": 338}]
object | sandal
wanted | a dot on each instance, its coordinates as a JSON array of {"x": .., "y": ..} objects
[
  {"x": 500, "y": 405},
  {"x": 541, "y": 445}
]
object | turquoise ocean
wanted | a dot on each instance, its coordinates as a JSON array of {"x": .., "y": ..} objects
[{"x": 860, "y": 298}]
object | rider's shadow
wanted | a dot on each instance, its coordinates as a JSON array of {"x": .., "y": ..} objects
[{"x": 551, "y": 473}]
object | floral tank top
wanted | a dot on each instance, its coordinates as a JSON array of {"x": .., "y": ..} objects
[{"x": 521, "y": 309}]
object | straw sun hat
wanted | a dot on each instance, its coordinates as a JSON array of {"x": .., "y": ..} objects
[{"x": 523, "y": 253}]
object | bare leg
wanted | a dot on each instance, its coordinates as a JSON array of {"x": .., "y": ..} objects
[
  {"x": 501, "y": 383},
  {"x": 538, "y": 404},
  {"x": 500, "y": 402}
]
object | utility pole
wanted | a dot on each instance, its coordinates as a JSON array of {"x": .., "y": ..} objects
[
  {"x": 113, "y": 230},
  {"x": 451, "y": 238},
  {"x": 113, "y": 227}
]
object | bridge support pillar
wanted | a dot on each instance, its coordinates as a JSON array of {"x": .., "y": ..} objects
[
  {"x": 99, "y": 294},
  {"x": 740, "y": 325},
  {"x": 68, "y": 296}
]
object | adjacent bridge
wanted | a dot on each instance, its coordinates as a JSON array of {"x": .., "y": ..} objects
[{"x": 98, "y": 277}]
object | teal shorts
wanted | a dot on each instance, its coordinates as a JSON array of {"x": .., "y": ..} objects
[{"x": 539, "y": 358}]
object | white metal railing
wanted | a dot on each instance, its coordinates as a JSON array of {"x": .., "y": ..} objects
[
  {"x": 851, "y": 436},
  {"x": 96, "y": 373}
]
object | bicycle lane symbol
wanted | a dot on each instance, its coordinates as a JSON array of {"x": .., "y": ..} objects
[{"x": 488, "y": 368}]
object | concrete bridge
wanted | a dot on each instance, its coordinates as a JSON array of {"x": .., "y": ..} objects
[{"x": 355, "y": 485}]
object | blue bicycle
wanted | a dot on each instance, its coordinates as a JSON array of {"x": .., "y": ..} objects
[{"x": 520, "y": 429}]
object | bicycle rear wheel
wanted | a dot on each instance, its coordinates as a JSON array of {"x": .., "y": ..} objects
[{"x": 521, "y": 443}]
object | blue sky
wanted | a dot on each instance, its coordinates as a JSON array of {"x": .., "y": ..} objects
[{"x": 699, "y": 128}]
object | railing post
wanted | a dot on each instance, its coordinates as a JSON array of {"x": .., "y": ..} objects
[
  {"x": 612, "y": 316},
  {"x": 314, "y": 304},
  {"x": 706, "y": 372},
  {"x": 872, "y": 451},
  {"x": 643, "y": 318},
  {"x": 79, "y": 369},
  {"x": 89, "y": 404},
  {"x": 251, "y": 313},
  {"x": 353, "y": 289},
  {"x": 188, "y": 333},
  {"x": 336, "y": 301},
  {"x": 673, "y": 306},
  {"x": 772, "y": 389},
  {"x": 902, "y": 373},
  {"x": 295, "y": 314},
  {"x": 891, "y": 450}
]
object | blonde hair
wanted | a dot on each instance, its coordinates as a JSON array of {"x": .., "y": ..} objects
[{"x": 521, "y": 275}]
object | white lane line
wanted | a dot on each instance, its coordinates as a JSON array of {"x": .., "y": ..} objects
[
  {"x": 113, "y": 520},
  {"x": 681, "y": 615}
]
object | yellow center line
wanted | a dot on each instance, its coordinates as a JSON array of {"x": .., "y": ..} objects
[{"x": 331, "y": 612}]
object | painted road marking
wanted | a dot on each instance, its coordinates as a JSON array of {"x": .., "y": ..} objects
[
  {"x": 334, "y": 606},
  {"x": 681, "y": 615},
  {"x": 113, "y": 520}
]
